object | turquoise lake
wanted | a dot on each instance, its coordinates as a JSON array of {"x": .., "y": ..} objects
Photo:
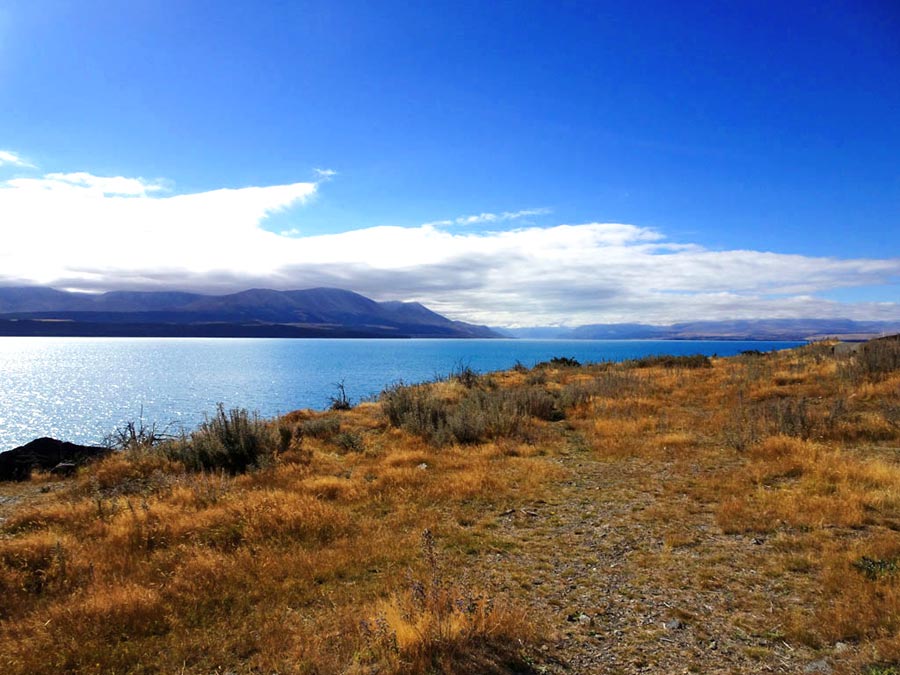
[{"x": 80, "y": 389}]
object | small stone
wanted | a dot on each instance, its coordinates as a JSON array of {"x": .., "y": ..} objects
[
  {"x": 840, "y": 647},
  {"x": 578, "y": 618},
  {"x": 820, "y": 667}
]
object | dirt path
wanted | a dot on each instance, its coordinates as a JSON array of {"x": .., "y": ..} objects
[{"x": 606, "y": 563}]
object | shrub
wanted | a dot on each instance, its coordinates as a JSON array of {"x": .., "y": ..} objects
[
  {"x": 466, "y": 423},
  {"x": 559, "y": 362},
  {"x": 137, "y": 435},
  {"x": 478, "y": 416},
  {"x": 670, "y": 361},
  {"x": 875, "y": 359},
  {"x": 540, "y": 403},
  {"x": 536, "y": 376},
  {"x": 742, "y": 428},
  {"x": 747, "y": 422},
  {"x": 414, "y": 408},
  {"x": 396, "y": 402},
  {"x": 350, "y": 441},
  {"x": 790, "y": 417},
  {"x": 464, "y": 375},
  {"x": 609, "y": 384},
  {"x": 320, "y": 427},
  {"x": 233, "y": 440},
  {"x": 340, "y": 401}
]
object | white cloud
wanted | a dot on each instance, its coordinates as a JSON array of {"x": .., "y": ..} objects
[
  {"x": 8, "y": 158},
  {"x": 81, "y": 182},
  {"x": 489, "y": 217},
  {"x": 90, "y": 232},
  {"x": 109, "y": 231},
  {"x": 325, "y": 174}
]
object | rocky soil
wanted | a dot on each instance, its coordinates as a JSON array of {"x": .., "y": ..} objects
[{"x": 628, "y": 579}]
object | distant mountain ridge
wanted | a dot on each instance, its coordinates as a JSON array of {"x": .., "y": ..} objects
[
  {"x": 335, "y": 312},
  {"x": 742, "y": 329},
  {"x": 313, "y": 312}
]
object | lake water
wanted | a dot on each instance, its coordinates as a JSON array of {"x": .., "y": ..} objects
[{"x": 80, "y": 389}]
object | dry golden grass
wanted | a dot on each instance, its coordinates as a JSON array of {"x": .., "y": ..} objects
[
  {"x": 142, "y": 566},
  {"x": 313, "y": 562},
  {"x": 433, "y": 625},
  {"x": 790, "y": 482}
]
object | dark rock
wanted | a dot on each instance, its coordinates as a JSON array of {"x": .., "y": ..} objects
[{"x": 47, "y": 454}]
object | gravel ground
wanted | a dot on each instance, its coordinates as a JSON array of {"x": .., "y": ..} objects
[{"x": 595, "y": 562}]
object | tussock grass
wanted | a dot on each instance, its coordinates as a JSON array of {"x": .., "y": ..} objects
[
  {"x": 433, "y": 624},
  {"x": 468, "y": 415}
]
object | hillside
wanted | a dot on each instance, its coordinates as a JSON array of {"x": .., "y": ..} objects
[
  {"x": 315, "y": 312},
  {"x": 664, "y": 515}
]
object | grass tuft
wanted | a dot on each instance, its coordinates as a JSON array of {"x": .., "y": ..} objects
[{"x": 436, "y": 625}]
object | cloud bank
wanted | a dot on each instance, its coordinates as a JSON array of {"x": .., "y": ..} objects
[{"x": 86, "y": 232}]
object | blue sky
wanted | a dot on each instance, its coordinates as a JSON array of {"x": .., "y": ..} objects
[{"x": 751, "y": 147}]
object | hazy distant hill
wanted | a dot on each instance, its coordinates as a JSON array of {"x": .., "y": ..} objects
[
  {"x": 334, "y": 312},
  {"x": 314, "y": 312},
  {"x": 745, "y": 329}
]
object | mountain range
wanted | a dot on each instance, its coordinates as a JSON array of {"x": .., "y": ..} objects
[
  {"x": 334, "y": 312},
  {"x": 743, "y": 329},
  {"x": 314, "y": 312}
]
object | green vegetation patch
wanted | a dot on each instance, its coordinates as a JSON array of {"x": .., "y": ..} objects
[
  {"x": 882, "y": 669},
  {"x": 876, "y": 568}
]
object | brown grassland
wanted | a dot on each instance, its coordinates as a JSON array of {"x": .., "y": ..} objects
[{"x": 673, "y": 514}]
